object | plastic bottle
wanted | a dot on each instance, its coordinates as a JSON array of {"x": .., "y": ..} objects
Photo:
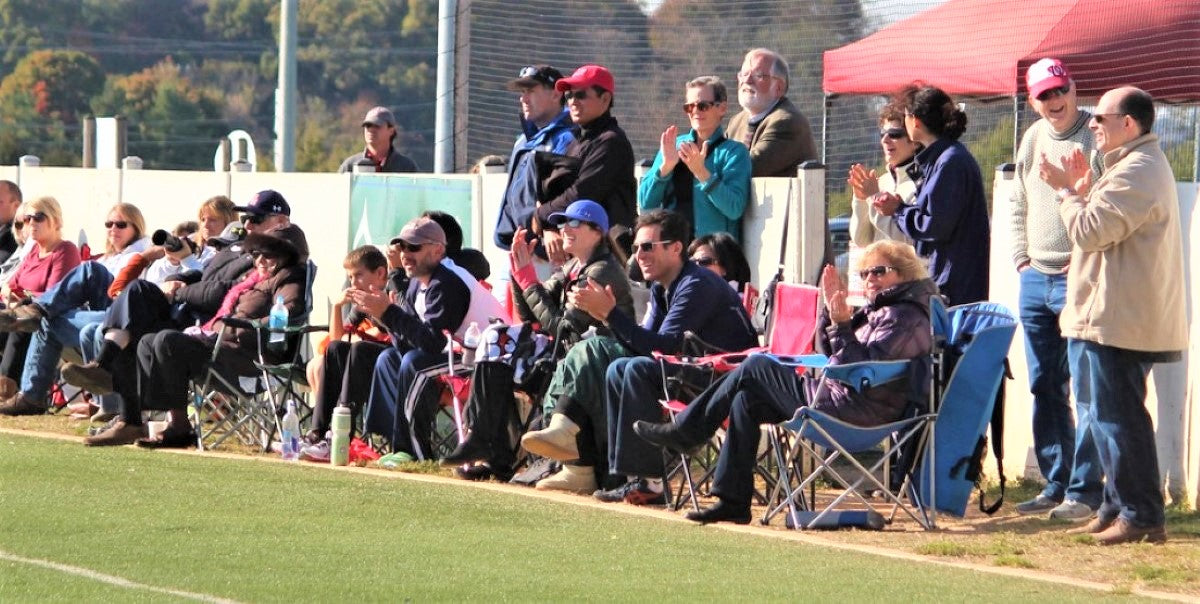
[
  {"x": 291, "y": 433},
  {"x": 339, "y": 454},
  {"x": 471, "y": 343},
  {"x": 278, "y": 319}
]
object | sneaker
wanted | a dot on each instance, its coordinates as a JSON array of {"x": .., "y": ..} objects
[
  {"x": 573, "y": 479},
  {"x": 1072, "y": 510},
  {"x": 1038, "y": 505},
  {"x": 316, "y": 452},
  {"x": 616, "y": 494},
  {"x": 540, "y": 468},
  {"x": 640, "y": 493},
  {"x": 391, "y": 460}
]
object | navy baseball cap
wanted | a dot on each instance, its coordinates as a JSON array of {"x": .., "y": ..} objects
[
  {"x": 266, "y": 203},
  {"x": 585, "y": 210}
]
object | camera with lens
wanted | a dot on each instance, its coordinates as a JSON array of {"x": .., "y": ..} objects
[{"x": 169, "y": 242}]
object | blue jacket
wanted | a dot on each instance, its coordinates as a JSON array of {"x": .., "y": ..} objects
[
  {"x": 520, "y": 197},
  {"x": 698, "y": 301},
  {"x": 447, "y": 300},
  {"x": 948, "y": 220},
  {"x": 719, "y": 202}
]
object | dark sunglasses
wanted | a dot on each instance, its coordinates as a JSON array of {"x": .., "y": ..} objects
[
  {"x": 705, "y": 260},
  {"x": 264, "y": 254},
  {"x": 580, "y": 94},
  {"x": 877, "y": 271},
  {"x": 410, "y": 247},
  {"x": 38, "y": 217},
  {"x": 702, "y": 106},
  {"x": 893, "y": 134},
  {"x": 253, "y": 218},
  {"x": 645, "y": 246},
  {"x": 1101, "y": 117},
  {"x": 18, "y": 224},
  {"x": 120, "y": 224},
  {"x": 1050, "y": 93}
]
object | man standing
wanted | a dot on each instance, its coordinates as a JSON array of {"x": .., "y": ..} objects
[
  {"x": 545, "y": 126},
  {"x": 774, "y": 130},
  {"x": 379, "y": 131},
  {"x": 10, "y": 200},
  {"x": 436, "y": 302},
  {"x": 1126, "y": 258},
  {"x": 1065, "y": 450},
  {"x": 604, "y": 172}
]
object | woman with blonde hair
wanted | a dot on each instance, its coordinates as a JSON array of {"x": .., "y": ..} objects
[
  {"x": 214, "y": 215},
  {"x": 894, "y": 325}
]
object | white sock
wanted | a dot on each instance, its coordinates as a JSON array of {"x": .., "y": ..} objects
[
  {"x": 120, "y": 337},
  {"x": 654, "y": 484}
]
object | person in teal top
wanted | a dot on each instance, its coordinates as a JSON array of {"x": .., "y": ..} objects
[{"x": 701, "y": 174}]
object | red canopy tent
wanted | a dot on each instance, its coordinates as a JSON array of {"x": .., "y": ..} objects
[{"x": 983, "y": 47}]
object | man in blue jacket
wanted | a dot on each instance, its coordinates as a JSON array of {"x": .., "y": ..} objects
[{"x": 545, "y": 126}]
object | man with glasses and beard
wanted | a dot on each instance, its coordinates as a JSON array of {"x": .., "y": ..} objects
[
  {"x": 603, "y": 171},
  {"x": 777, "y": 134},
  {"x": 1062, "y": 443},
  {"x": 701, "y": 174},
  {"x": 545, "y": 126}
]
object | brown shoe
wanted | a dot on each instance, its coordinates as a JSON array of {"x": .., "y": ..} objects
[
  {"x": 19, "y": 404},
  {"x": 1095, "y": 525},
  {"x": 89, "y": 376},
  {"x": 8, "y": 387},
  {"x": 26, "y": 318},
  {"x": 119, "y": 434},
  {"x": 1123, "y": 531}
]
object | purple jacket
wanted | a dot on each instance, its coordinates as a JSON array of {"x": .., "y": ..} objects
[{"x": 894, "y": 326}]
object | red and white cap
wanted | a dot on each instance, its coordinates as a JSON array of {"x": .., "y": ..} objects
[
  {"x": 588, "y": 75},
  {"x": 1046, "y": 74}
]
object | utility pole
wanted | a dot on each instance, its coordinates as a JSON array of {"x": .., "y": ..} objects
[
  {"x": 443, "y": 131},
  {"x": 285, "y": 94}
]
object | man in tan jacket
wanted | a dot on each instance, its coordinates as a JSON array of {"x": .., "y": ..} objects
[{"x": 1125, "y": 302}]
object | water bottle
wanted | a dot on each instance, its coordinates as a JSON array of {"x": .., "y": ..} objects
[
  {"x": 291, "y": 433},
  {"x": 339, "y": 454},
  {"x": 471, "y": 343},
  {"x": 278, "y": 319}
]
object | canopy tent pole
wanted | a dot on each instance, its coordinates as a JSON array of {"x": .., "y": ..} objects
[
  {"x": 1016, "y": 125},
  {"x": 1196, "y": 144},
  {"x": 825, "y": 129}
]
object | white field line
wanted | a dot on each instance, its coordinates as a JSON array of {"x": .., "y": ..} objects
[
  {"x": 807, "y": 537},
  {"x": 87, "y": 573}
]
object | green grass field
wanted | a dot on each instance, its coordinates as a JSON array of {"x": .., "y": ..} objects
[{"x": 252, "y": 531}]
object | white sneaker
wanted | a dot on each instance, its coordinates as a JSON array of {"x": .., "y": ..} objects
[
  {"x": 556, "y": 442},
  {"x": 573, "y": 479},
  {"x": 317, "y": 452},
  {"x": 1072, "y": 510}
]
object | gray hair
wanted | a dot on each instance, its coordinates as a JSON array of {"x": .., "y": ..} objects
[
  {"x": 779, "y": 65},
  {"x": 712, "y": 82}
]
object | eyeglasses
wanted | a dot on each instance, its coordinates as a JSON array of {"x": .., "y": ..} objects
[
  {"x": 700, "y": 106},
  {"x": 253, "y": 218},
  {"x": 264, "y": 254},
  {"x": 411, "y": 248},
  {"x": 18, "y": 224},
  {"x": 38, "y": 217},
  {"x": 749, "y": 76},
  {"x": 572, "y": 95},
  {"x": 893, "y": 134},
  {"x": 877, "y": 271},
  {"x": 705, "y": 260},
  {"x": 645, "y": 246},
  {"x": 1101, "y": 117},
  {"x": 120, "y": 224},
  {"x": 1053, "y": 92}
]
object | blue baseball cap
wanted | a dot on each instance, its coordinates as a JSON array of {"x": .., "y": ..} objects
[{"x": 585, "y": 210}]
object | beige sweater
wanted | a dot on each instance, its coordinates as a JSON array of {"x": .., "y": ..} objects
[{"x": 1125, "y": 286}]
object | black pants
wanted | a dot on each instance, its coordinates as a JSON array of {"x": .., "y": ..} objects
[
  {"x": 348, "y": 368},
  {"x": 15, "y": 349},
  {"x": 166, "y": 363}
]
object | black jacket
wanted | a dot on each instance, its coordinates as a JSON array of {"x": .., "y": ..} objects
[
  {"x": 8, "y": 242},
  {"x": 226, "y": 268},
  {"x": 605, "y": 174}
]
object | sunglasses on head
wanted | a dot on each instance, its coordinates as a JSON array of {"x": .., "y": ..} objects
[
  {"x": 1050, "y": 93},
  {"x": 646, "y": 246},
  {"x": 700, "y": 106},
  {"x": 38, "y": 217},
  {"x": 893, "y": 134},
  {"x": 120, "y": 224},
  {"x": 877, "y": 271},
  {"x": 253, "y": 218},
  {"x": 705, "y": 260}
]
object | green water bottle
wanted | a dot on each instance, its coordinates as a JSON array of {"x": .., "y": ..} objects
[{"x": 340, "y": 445}]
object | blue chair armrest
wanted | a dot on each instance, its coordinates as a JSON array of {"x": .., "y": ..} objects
[
  {"x": 867, "y": 374},
  {"x": 816, "y": 361}
]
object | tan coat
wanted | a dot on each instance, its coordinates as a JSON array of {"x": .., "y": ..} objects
[{"x": 1125, "y": 280}]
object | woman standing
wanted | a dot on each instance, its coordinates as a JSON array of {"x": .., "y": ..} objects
[{"x": 948, "y": 220}]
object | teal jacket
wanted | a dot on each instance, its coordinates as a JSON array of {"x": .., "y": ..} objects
[{"x": 719, "y": 202}]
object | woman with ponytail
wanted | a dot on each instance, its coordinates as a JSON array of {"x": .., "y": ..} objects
[{"x": 948, "y": 219}]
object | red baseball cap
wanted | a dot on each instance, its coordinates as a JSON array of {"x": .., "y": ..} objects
[{"x": 588, "y": 75}]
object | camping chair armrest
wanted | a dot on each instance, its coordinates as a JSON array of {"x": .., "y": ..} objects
[
  {"x": 867, "y": 374},
  {"x": 694, "y": 346},
  {"x": 242, "y": 323},
  {"x": 807, "y": 361}
]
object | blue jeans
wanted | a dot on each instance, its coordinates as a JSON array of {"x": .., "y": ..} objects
[
  {"x": 1065, "y": 450},
  {"x": 1113, "y": 381},
  {"x": 83, "y": 286},
  {"x": 396, "y": 374},
  {"x": 633, "y": 387}
]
